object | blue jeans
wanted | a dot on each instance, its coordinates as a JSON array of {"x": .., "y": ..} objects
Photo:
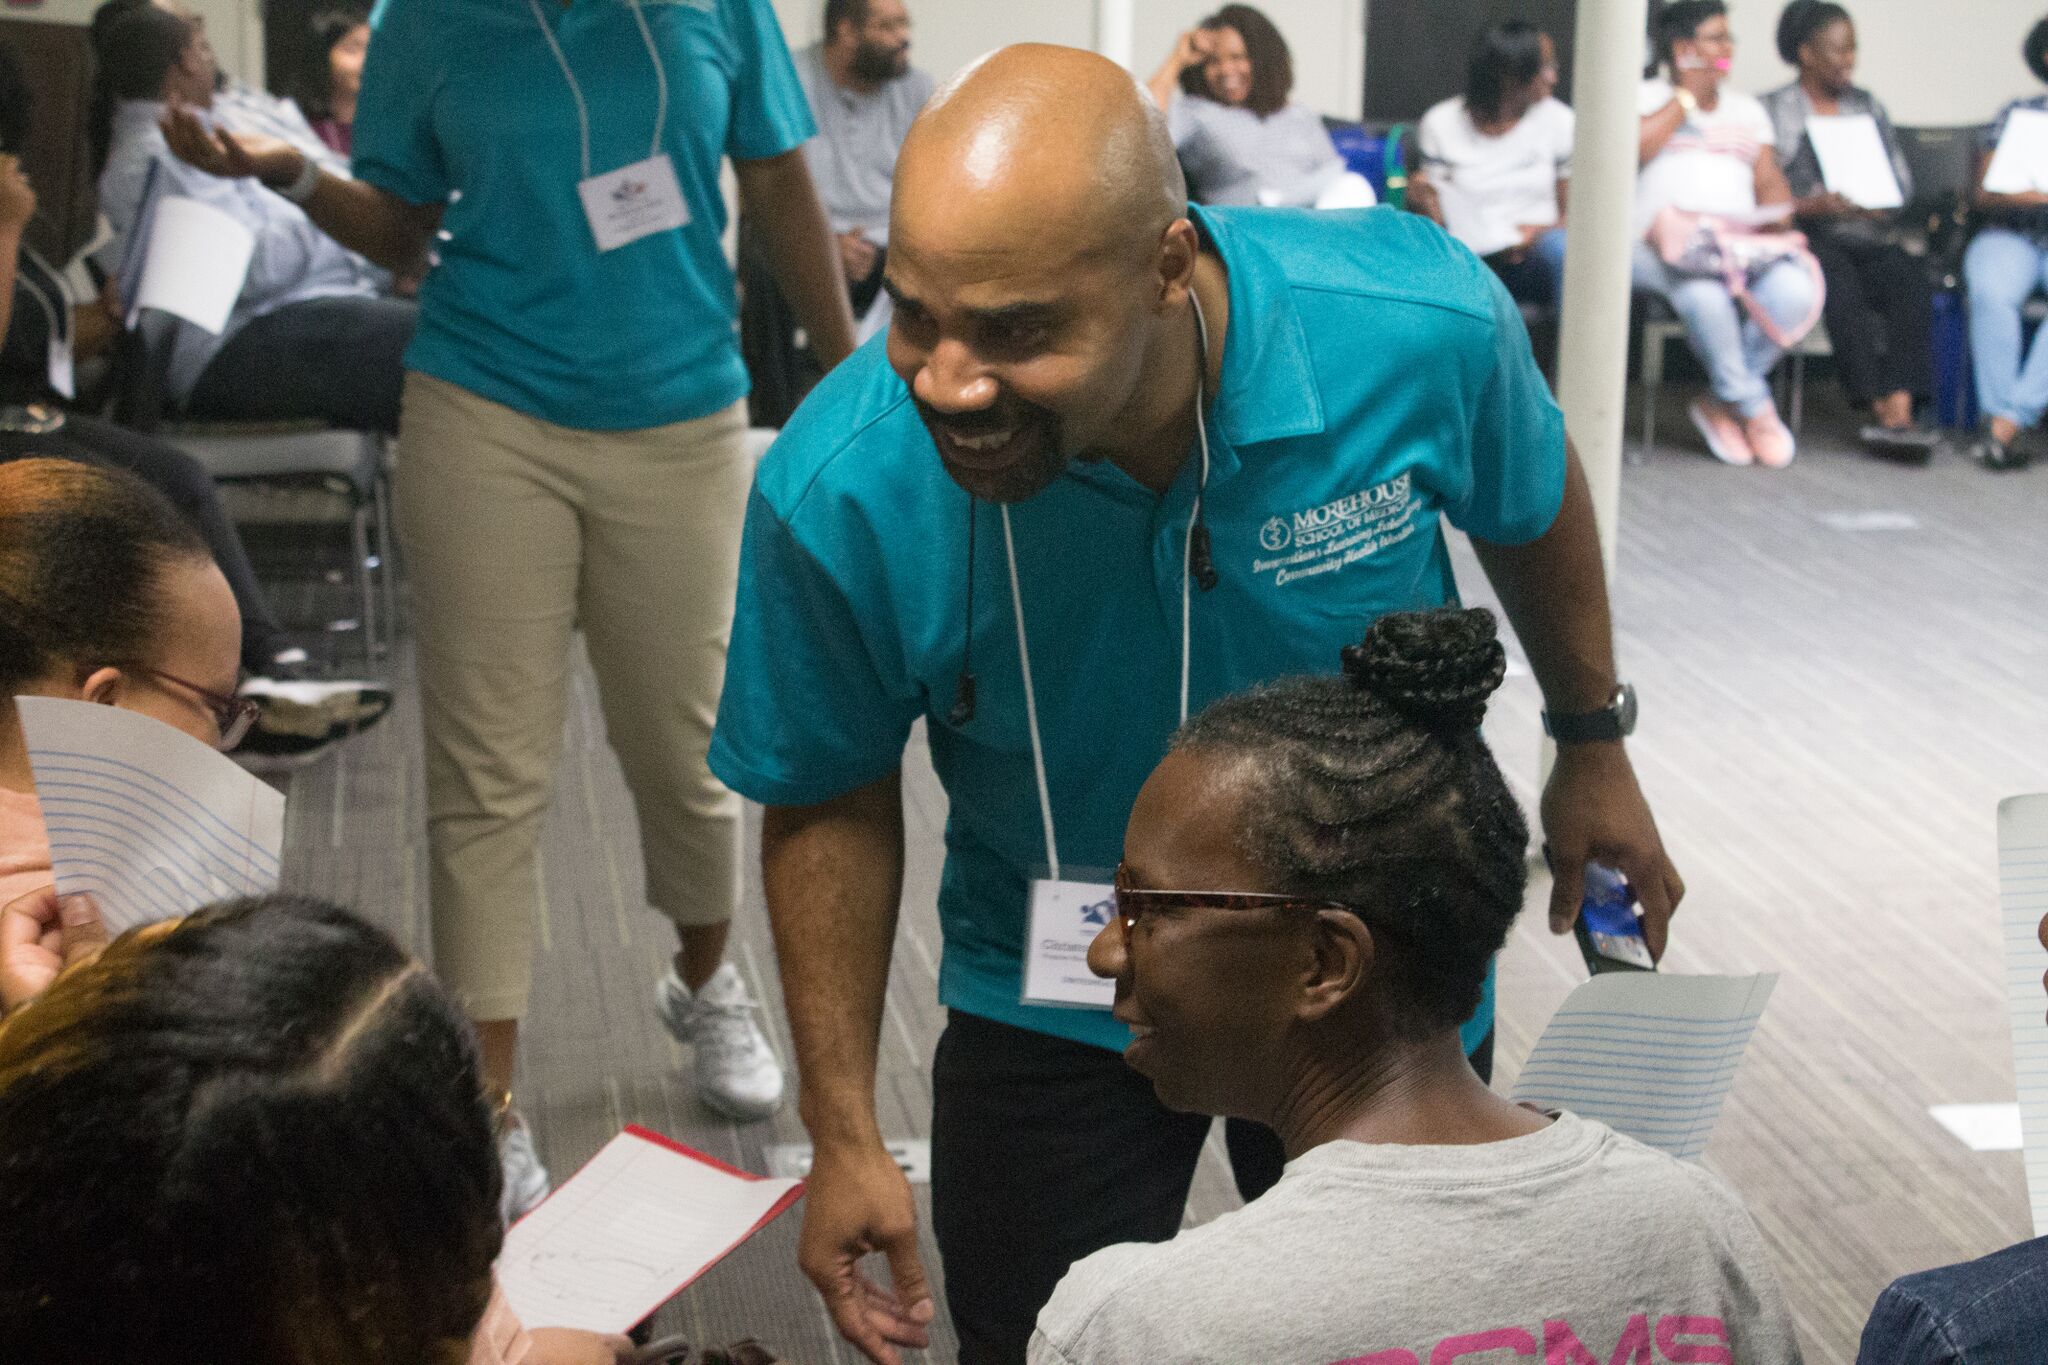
[
  {"x": 2003, "y": 269},
  {"x": 1737, "y": 354}
]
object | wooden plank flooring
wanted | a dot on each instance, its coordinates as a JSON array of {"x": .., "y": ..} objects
[{"x": 1829, "y": 717}]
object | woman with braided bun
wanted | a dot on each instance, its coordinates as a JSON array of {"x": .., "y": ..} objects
[{"x": 1314, "y": 880}]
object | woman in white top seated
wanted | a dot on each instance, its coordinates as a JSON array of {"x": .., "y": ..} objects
[
  {"x": 1224, "y": 90},
  {"x": 1314, "y": 880},
  {"x": 1497, "y": 160},
  {"x": 1708, "y": 150}
]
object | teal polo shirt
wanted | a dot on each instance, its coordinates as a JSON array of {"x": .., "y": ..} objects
[
  {"x": 1377, "y": 383},
  {"x": 463, "y": 104}
]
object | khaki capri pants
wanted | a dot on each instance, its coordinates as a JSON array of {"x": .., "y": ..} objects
[{"x": 516, "y": 532}]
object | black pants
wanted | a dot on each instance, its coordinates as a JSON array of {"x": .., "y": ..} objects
[
  {"x": 188, "y": 487},
  {"x": 1880, "y": 315},
  {"x": 339, "y": 360},
  {"x": 1045, "y": 1150}
]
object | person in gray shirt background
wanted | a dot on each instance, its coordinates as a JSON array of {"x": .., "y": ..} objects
[
  {"x": 863, "y": 94},
  {"x": 1313, "y": 882},
  {"x": 1225, "y": 91}
]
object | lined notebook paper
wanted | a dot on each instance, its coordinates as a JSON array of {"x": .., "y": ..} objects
[
  {"x": 2023, "y": 899},
  {"x": 149, "y": 820},
  {"x": 1649, "y": 1055},
  {"x": 630, "y": 1231}
]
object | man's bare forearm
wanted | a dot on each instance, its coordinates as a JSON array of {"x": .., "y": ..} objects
[
  {"x": 779, "y": 201},
  {"x": 1554, "y": 590},
  {"x": 833, "y": 874}
]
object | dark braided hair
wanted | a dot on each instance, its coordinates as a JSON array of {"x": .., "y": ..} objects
[
  {"x": 260, "y": 1137},
  {"x": 1802, "y": 20},
  {"x": 1375, "y": 789}
]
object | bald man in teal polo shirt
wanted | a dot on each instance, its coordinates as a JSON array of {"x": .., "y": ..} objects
[{"x": 1117, "y": 459}]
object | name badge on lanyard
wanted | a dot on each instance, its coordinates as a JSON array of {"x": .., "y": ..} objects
[
  {"x": 1067, "y": 912},
  {"x": 1065, "y": 918},
  {"x": 633, "y": 201}
]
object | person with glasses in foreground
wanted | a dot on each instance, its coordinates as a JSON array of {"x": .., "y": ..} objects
[
  {"x": 258, "y": 1135},
  {"x": 106, "y": 595},
  {"x": 1314, "y": 880}
]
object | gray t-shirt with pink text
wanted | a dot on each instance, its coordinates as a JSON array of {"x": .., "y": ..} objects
[{"x": 1573, "y": 1245}]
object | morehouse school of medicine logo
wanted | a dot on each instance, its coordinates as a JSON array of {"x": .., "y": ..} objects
[
  {"x": 628, "y": 190},
  {"x": 1099, "y": 913},
  {"x": 1320, "y": 540}
]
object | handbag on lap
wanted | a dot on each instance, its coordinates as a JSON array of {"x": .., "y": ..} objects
[{"x": 1701, "y": 244}]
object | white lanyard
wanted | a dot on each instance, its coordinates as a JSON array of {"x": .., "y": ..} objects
[
  {"x": 576, "y": 91},
  {"x": 1052, "y": 848}
]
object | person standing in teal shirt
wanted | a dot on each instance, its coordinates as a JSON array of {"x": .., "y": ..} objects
[
  {"x": 1116, "y": 459},
  {"x": 574, "y": 443}
]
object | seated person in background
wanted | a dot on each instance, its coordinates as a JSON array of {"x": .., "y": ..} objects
[
  {"x": 304, "y": 719},
  {"x": 1314, "y": 881},
  {"x": 341, "y": 39},
  {"x": 1880, "y": 301},
  {"x": 244, "y": 108},
  {"x": 1501, "y": 154},
  {"x": 1707, "y": 150},
  {"x": 185, "y": 1110},
  {"x": 310, "y": 337},
  {"x": 1224, "y": 88},
  {"x": 2007, "y": 264},
  {"x": 863, "y": 93},
  {"x": 107, "y": 596}
]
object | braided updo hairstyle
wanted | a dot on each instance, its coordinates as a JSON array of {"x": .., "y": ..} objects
[{"x": 1375, "y": 789}]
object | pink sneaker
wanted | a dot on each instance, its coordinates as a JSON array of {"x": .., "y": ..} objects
[
  {"x": 1723, "y": 433},
  {"x": 1769, "y": 439}
]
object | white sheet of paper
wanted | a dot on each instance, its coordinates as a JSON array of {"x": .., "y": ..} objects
[
  {"x": 2023, "y": 900},
  {"x": 1649, "y": 1055},
  {"x": 2020, "y": 162},
  {"x": 1478, "y": 225},
  {"x": 1853, "y": 161},
  {"x": 1065, "y": 917},
  {"x": 149, "y": 820},
  {"x": 198, "y": 258},
  {"x": 630, "y": 1231}
]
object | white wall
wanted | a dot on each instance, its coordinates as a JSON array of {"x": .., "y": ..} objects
[
  {"x": 1327, "y": 37},
  {"x": 1933, "y": 62}
]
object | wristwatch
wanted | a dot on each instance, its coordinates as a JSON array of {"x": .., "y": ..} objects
[
  {"x": 1686, "y": 100},
  {"x": 1616, "y": 720}
]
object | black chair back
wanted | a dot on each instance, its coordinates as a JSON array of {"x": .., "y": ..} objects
[{"x": 1944, "y": 166}]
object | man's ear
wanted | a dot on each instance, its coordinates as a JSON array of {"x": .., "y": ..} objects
[
  {"x": 1180, "y": 247},
  {"x": 1342, "y": 963}
]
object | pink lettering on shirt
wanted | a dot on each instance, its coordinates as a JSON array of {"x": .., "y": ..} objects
[
  {"x": 1561, "y": 1345},
  {"x": 1394, "y": 1357},
  {"x": 1477, "y": 1343},
  {"x": 1670, "y": 1329}
]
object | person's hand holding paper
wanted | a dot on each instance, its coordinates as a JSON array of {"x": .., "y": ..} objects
[{"x": 42, "y": 936}]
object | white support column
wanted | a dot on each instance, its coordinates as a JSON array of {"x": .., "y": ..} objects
[
  {"x": 1115, "y": 24},
  {"x": 1592, "y": 346},
  {"x": 1592, "y": 364}
]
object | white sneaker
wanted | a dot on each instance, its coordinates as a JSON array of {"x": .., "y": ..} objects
[
  {"x": 526, "y": 1180},
  {"x": 737, "y": 1073}
]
